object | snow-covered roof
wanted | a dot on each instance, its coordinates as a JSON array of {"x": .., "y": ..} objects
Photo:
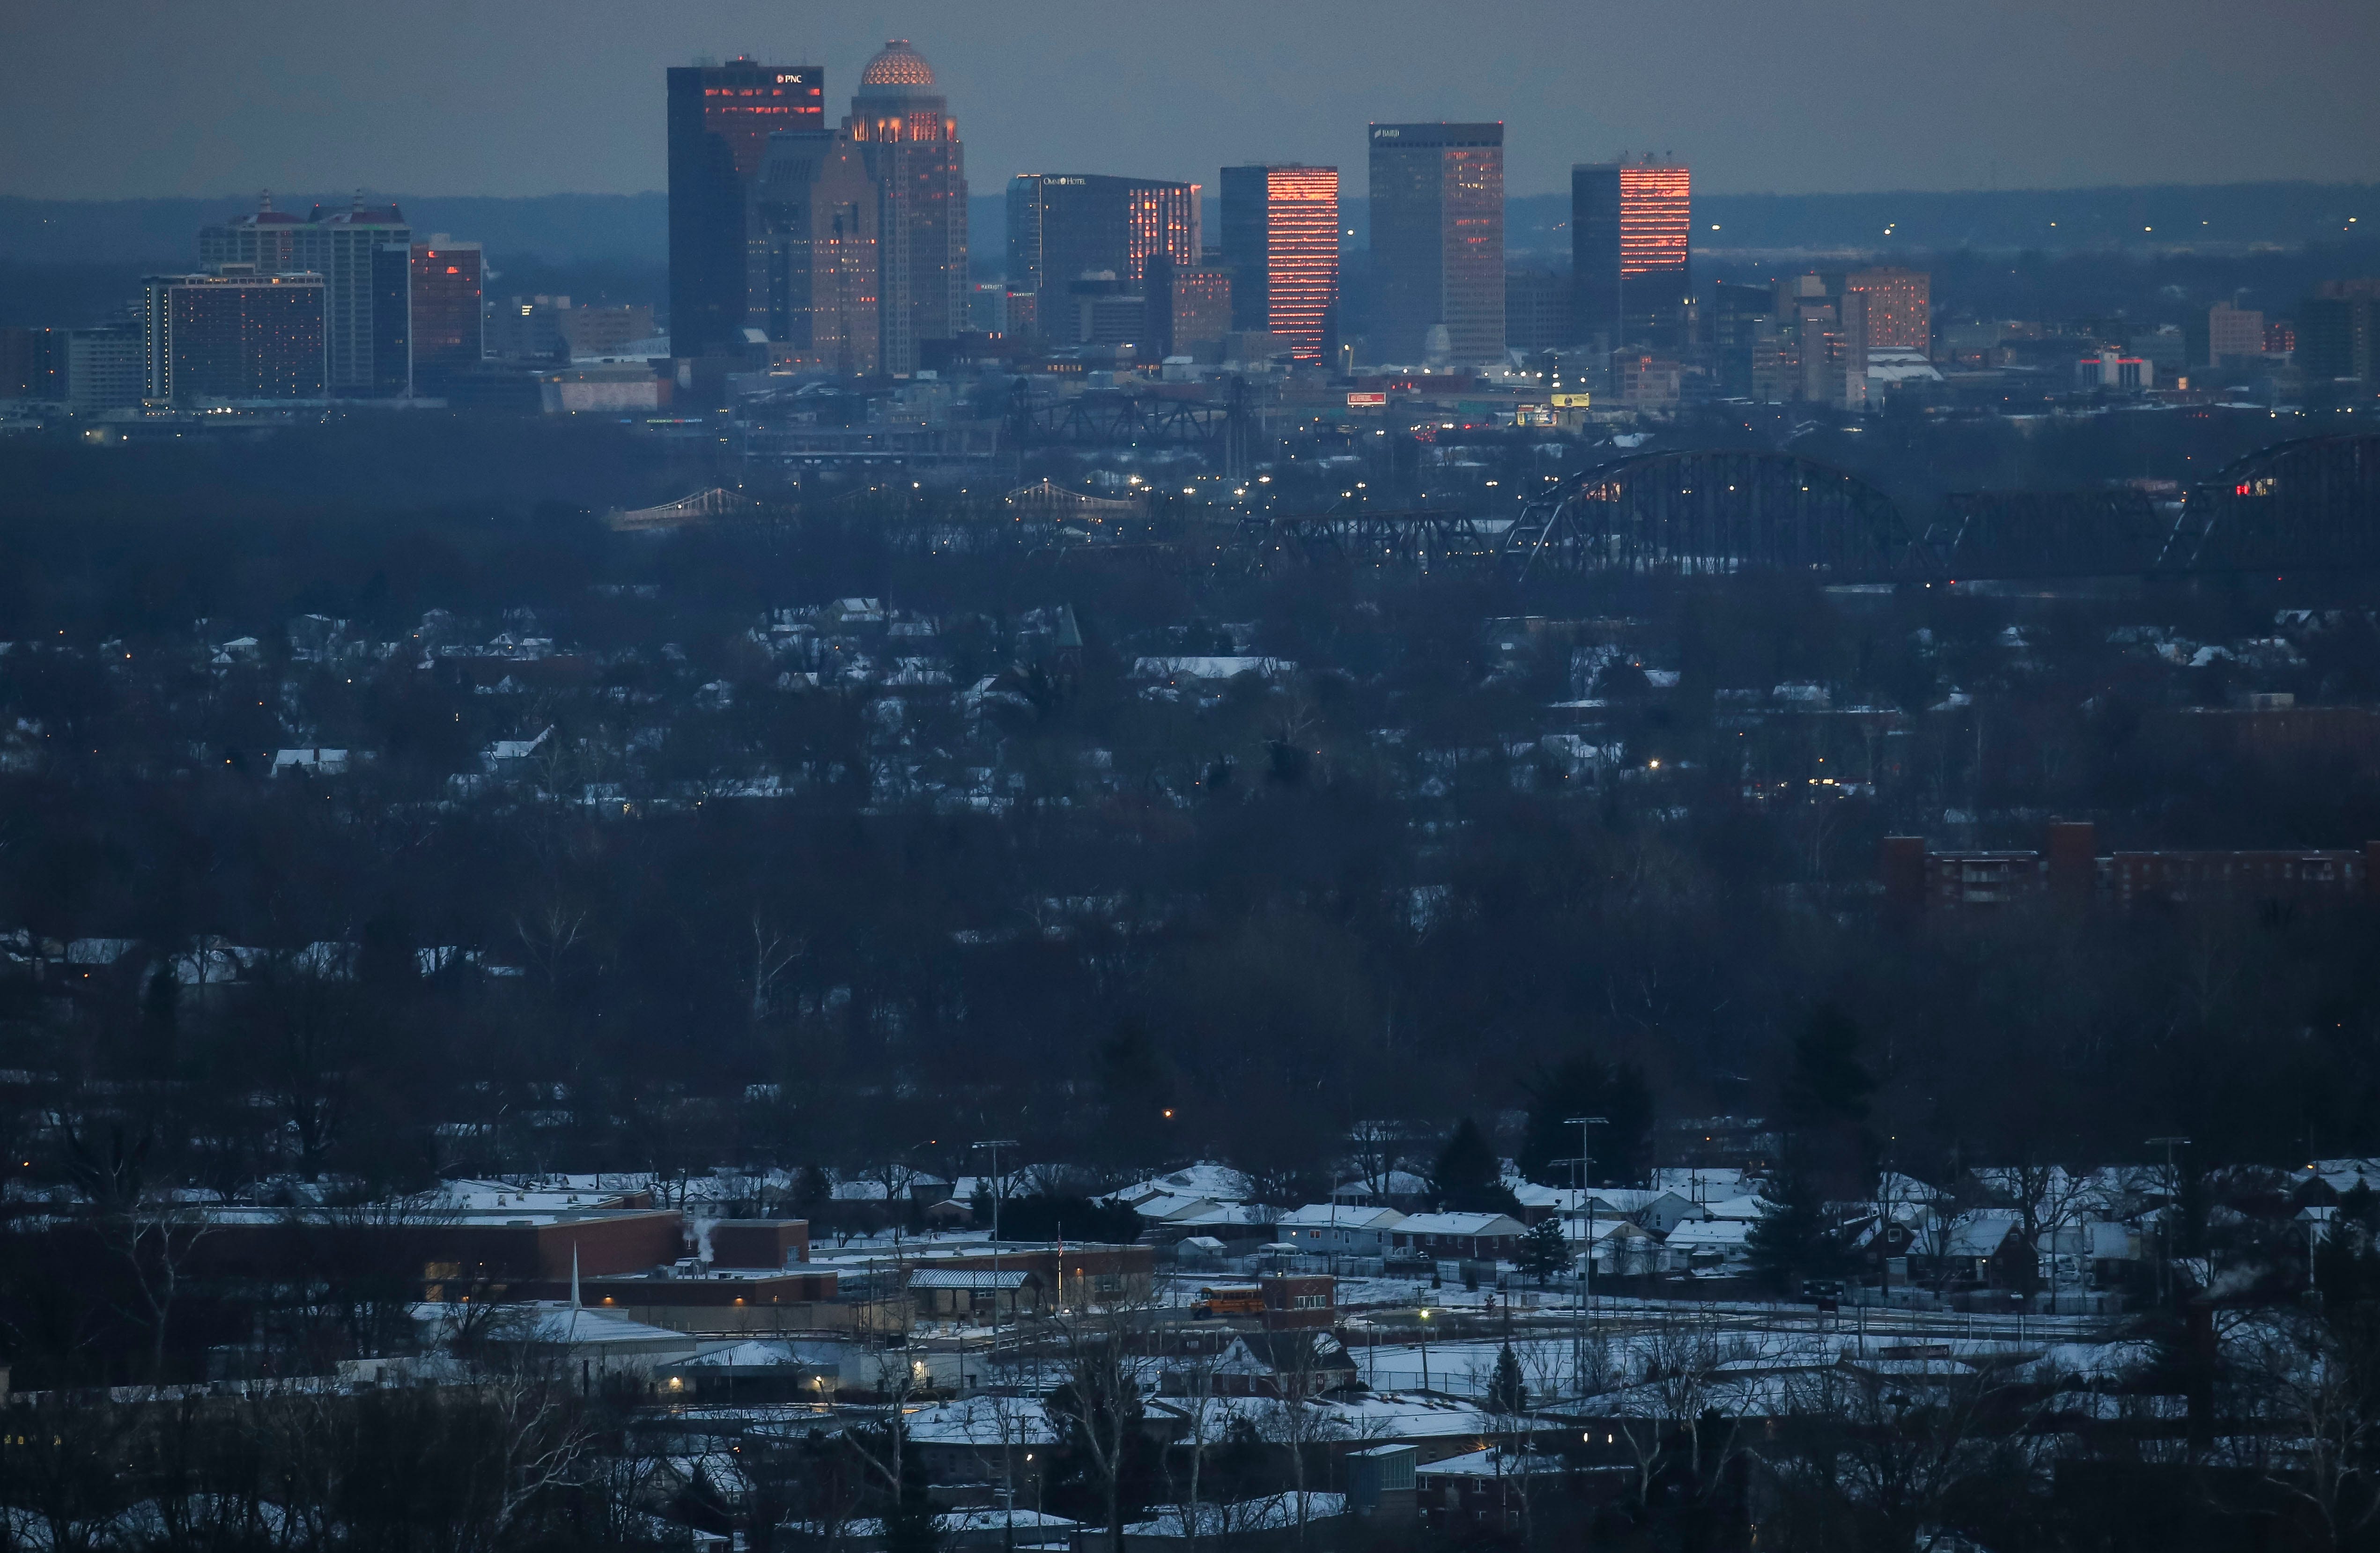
[
  {"x": 1342, "y": 1216},
  {"x": 983, "y": 1420},
  {"x": 1476, "y": 1225},
  {"x": 1493, "y": 1461},
  {"x": 1210, "y": 667},
  {"x": 1274, "y": 1512},
  {"x": 943, "y": 1278}
]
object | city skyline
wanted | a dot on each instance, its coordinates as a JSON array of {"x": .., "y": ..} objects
[{"x": 209, "y": 105}]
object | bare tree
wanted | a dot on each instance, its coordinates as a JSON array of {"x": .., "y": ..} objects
[
  {"x": 548, "y": 934},
  {"x": 1098, "y": 1408},
  {"x": 1683, "y": 1392},
  {"x": 147, "y": 1224},
  {"x": 774, "y": 951},
  {"x": 2311, "y": 1383}
]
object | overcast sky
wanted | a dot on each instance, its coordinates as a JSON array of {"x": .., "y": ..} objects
[{"x": 111, "y": 98}]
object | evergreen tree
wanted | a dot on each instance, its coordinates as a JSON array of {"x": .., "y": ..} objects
[
  {"x": 1508, "y": 1393},
  {"x": 1543, "y": 1251},
  {"x": 1795, "y": 1240},
  {"x": 1469, "y": 1178}
]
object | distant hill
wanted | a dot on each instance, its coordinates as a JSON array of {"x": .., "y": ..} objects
[
  {"x": 2229, "y": 216},
  {"x": 564, "y": 229},
  {"x": 548, "y": 229}
]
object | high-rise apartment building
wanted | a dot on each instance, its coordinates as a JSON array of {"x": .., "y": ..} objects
[
  {"x": 1631, "y": 250},
  {"x": 234, "y": 335},
  {"x": 33, "y": 364},
  {"x": 1280, "y": 241},
  {"x": 1062, "y": 226},
  {"x": 720, "y": 120},
  {"x": 911, "y": 145},
  {"x": 816, "y": 278},
  {"x": 364, "y": 255},
  {"x": 107, "y": 367},
  {"x": 1437, "y": 239},
  {"x": 1900, "y": 307},
  {"x": 449, "y": 308},
  {"x": 264, "y": 239}
]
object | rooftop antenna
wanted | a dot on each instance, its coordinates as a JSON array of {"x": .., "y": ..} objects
[
  {"x": 264, "y": 201},
  {"x": 358, "y": 208}
]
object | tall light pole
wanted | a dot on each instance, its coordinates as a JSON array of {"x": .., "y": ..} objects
[
  {"x": 2173, "y": 1205},
  {"x": 1007, "y": 1447},
  {"x": 1586, "y": 1290}
]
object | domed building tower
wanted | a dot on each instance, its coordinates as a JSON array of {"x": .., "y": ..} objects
[{"x": 911, "y": 143}]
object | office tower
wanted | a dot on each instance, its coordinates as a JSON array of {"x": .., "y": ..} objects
[
  {"x": 2233, "y": 332},
  {"x": 720, "y": 120},
  {"x": 817, "y": 227},
  {"x": 1280, "y": 241},
  {"x": 1734, "y": 324},
  {"x": 912, "y": 148},
  {"x": 2337, "y": 327},
  {"x": 32, "y": 364},
  {"x": 1900, "y": 307},
  {"x": 1537, "y": 310},
  {"x": 1062, "y": 227},
  {"x": 1631, "y": 250},
  {"x": 1189, "y": 304},
  {"x": 1106, "y": 311},
  {"x": 107, "y": 368},
  {"x": 234, "y": 335},
  {"x": 1437, "y": 239},
  {"x": 449, "y": 308}
]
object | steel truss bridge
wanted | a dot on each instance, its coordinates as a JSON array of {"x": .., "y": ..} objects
[{"x": 2312, "y": 504}]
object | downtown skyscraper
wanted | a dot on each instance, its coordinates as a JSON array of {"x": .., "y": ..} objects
[
  {"x": 1631, "y": 251},
  {"x": 911, "y": 145},
  {"x": 1062, "y": 225},
  {"x": 1437, "y": 241},
  {"x": 720, "y": 120},
  {"x": 1281, "y": 239}
]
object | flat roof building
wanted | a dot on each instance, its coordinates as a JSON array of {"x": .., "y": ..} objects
[
  {"x": 233, "y": 335},
  {"x": 720, "y": 120},
  {"x": 449, "y": 308},
  {"x": 1631, "y": 250},
  {"x": 1064, "y": 226},
  {"x": 1281, "y": 239},
  {"x": 1437, "y": 239}
]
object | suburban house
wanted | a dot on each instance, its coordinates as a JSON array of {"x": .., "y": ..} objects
[
  {"x": 1475, "y": 1236},
  {"x": 1338, "y": 1229}
]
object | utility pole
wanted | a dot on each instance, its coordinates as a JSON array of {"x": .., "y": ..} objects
[
  {"x": 2164, "y": 1225},
  {"x": 1586, "y": 1290},
  {"x": 1007, "y": 1447}
]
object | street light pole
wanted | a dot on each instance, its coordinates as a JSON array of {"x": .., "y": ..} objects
[
  {"x": 1587, "y": 1247},
  {"x": 1007, "y": 1447},
  {"x": 2165, "y": 1263}
]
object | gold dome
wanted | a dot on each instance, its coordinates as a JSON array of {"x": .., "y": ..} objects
[{"x": 899, "y": 65}]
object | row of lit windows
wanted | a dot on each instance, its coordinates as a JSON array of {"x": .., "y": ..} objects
[{"x": 1656, "y": 219}]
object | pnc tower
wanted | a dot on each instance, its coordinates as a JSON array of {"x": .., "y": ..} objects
[
  {"x": 1437, "y": 241},
  {"x": 720, "y": 120},
  {"x": 1281, "y": 239}
]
